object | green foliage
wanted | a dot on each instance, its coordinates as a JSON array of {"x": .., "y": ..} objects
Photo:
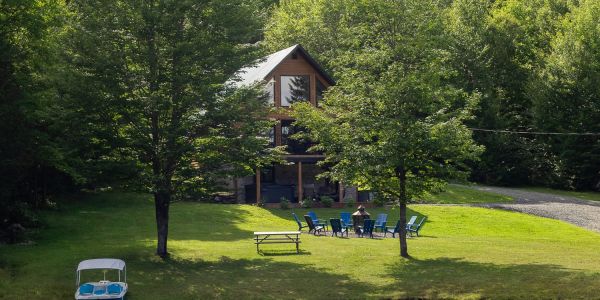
[
  {"x": 307, "y": 203},
  {"x": 380, "y": 201},
  {"x": 326, "y": 201},
  {"x": 496, "y": 47},
  {"x": 284, "y": 203},
  {"x": 493, "y": 46},
  {"x": 394, "y": 123},
  {"x": 566, "y": 97},
  {"x": 350, "y": 203},
  {"x": 155, "y": 72},
  {"x": 394, "y": 111},
  {"x": 35, "y": 164}
]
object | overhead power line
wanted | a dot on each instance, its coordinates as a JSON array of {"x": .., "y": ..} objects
[{"x": 538, "y": 132}]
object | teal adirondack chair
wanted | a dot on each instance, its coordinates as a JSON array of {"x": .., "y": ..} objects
[
  {"x": 300, "y": 226},
  {"x": 416, "y": 227}
]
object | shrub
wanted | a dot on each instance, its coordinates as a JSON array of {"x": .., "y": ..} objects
[
  {"x": 307, "y": 203},
  {"x": 351, "y": 203},
  {"x": 285, "y": 203},
  {"x": 327, "y": 201},
  {"x": 379, "y": 201}
]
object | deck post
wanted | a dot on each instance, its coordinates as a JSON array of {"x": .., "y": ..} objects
[
  {"x": 258, "y": 186},
  {"x": 300, "y": 188},
  {"x": 341, "y": 192}
]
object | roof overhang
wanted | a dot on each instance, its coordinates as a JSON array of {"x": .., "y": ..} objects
[
  {"x": 298, "y": 48},
  {"x": 101, "y": 263},
  {"x": 263, "y": 69}
]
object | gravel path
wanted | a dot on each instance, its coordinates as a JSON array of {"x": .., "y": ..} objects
[{"x": 583, "y": 213}]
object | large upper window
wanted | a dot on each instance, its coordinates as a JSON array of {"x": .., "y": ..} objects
[
  {"x": 294, "y": 89},
  {"x": 320, "y": 92}
]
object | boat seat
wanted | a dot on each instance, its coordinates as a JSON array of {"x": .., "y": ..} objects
[
  {"x": 86, "y": 289},
  {"x": 114, "y": 288},
  {"x": 100, "y": 291}
]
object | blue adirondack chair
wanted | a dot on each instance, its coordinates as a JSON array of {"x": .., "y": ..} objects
[
  {"x": 346, "y": 218},
  {"x": 396, "y": 229},
  {"x": 300, "y": 226},
  {"x": 416, "y": 227},
  {"x": 367, "y": 228},
  {"x": 380, "y": 222},
  {"x": 312, "y": 227},
  {"x": 316, "y": 220},
  {"x": 338, "y": 227}
]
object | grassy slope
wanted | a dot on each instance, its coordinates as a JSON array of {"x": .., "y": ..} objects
[
  {"x": 464, "y": 253},
  {"x": 595, "y": 196},
  {"x": 457, "y": 194}
]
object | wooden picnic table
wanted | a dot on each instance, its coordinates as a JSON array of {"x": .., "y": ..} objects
[{"x": 277, "y": 237}]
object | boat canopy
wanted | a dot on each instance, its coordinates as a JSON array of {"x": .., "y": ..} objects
[{"x": 101, "y": 263}]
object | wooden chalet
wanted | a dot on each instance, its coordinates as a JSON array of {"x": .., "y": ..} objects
[{"x": 289, "y": 76}]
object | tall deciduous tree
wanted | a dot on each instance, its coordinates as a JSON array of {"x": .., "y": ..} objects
[
  {"x": 155, "y": 70},
  {"x": 393, "y": 124},
  {"x": 566, "y": 95}
]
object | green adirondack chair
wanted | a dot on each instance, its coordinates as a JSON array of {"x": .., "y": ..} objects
[
  {"x": 312, "y": 227},
  {"x": 338, "y": 227},
  {"x": 367, "y": 228}
]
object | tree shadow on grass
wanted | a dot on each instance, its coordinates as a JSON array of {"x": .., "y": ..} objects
[
  {"x": 455, "y": 278},
  {"x": 238, "y": 279}
]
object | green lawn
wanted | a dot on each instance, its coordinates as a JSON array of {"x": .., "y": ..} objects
[
  {"x": 464, "y": 252},
  {"x": 594, "y": 196},
  {"x": 457, "y": 194}
]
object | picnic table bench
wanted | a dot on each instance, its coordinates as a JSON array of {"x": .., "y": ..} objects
[{"x": 277, "y": 237}]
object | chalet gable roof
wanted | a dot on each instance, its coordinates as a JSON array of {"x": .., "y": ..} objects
[{"x": 262, "y": 68}]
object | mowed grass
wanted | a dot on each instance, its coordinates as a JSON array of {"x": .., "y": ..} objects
[
  {"x": 594, "y": 196},
  {"x": 456, "y": 194},
  {"x": 464, "y": 252}
]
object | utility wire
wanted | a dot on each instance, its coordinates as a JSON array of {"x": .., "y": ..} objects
[{"x": 537, "y": 132}]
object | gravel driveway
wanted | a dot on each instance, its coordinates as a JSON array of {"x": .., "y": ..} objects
[{"x": 583, "y": 213}]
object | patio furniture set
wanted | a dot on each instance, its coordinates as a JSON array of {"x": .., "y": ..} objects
[{"x": 362, "y": 226}]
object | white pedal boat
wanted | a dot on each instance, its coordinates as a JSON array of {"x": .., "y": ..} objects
[{"x": 103, "y": 289}]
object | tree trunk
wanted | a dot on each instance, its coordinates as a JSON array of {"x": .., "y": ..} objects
[
  {"x": 161, "y": 182},
  {"x": 401, "y": 173},
  {"x": 162, "y": 200},
  {"x": 402, "y": 235}
]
